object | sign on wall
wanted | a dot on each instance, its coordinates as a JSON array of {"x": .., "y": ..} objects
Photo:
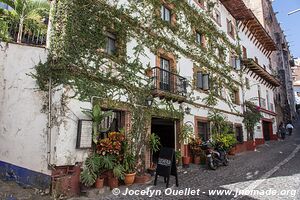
[{"x": 84, "y": 134}]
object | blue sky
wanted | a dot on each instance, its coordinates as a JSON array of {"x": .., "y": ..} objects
[{"x": 289, "y": 23}]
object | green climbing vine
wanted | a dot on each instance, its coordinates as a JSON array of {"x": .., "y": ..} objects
[{"x": 78, "y": 59}]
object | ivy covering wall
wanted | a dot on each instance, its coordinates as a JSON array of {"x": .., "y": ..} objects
[{"x": 77, "y": 58}]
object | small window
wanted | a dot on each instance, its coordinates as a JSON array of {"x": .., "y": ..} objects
[
  {"x": 164, "y": 64},
  {"x": 233, "y": 61},
  {"x": 202, "y": 81},
  {"x": 165, "y": 14},
  {"x": 235, "y": 96},
  {"x": 230, "y": 28},
  {"x": 198, "y": 38},
  {"x": 244, "y": 52},
  {"x": 217, "y": 17},
  {"x": 111, "y": 44},
  {"x": 239, "y": 134},
  {"x": 203, "y": 130},
  {"x": 247, "y": 84}
]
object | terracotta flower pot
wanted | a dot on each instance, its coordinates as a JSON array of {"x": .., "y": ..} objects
[
  {"x": 99, "y": 183},
  {"x": 113, "y": 183},
  {"x": 129, "y": 179},
  {"x": 186, "y": 161},
  {"x": 197, "y": 160}
]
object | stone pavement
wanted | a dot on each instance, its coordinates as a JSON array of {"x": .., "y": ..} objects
[
  {"x": 274, "y": 166},
  {"x": 12, "y": 191}
]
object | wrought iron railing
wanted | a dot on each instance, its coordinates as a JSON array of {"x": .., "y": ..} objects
[
  {"x": 165, "y": 80},
  {"x": 33, "y": 37}
]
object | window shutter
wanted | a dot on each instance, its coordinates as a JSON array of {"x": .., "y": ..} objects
[
  {"x": 205, "y": 81},
  {"x": 199, "y": 80}
]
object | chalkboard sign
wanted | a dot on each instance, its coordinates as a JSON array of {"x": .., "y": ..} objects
[
  {"x": 84, "y": 134},
  {"x": 166, "y": 165}
]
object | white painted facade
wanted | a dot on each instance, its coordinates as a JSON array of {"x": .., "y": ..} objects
[
  {"x": 23, "y": 113},
  {"x": 23, "y": 124}
]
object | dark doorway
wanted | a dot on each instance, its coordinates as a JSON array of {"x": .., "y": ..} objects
[
  {"x": 267, "y": 130},
  {"x": 165, "y": 129}
]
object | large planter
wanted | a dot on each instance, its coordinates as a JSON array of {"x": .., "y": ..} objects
[
  {"x": 129, "y": 179},
  {"x": 197, "y": 160},
  {"x": 142, "y": 178},
  {"x": 99, "y": 183},
  {"x": 186, "y": 161},
  {"x": 113, "y": 182}
]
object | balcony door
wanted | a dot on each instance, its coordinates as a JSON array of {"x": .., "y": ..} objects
[{"x": 165, "y": 78}]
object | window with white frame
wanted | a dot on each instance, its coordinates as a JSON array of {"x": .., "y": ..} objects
[{"x": 217, "y": 17}]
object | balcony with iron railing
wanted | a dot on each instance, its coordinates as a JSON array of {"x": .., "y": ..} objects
[
  {"x": 169, "y": 85},
  {"x": 31, "y": 36}
]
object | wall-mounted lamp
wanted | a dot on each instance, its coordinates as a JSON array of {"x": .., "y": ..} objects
[{"x": 149, "y": 101}]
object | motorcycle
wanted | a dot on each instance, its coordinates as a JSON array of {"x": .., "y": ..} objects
[{"x": 215, "y": 157}]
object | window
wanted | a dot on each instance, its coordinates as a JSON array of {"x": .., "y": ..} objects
[
  {"x": 110, "y": 44},
  {"x": 268, "y": 100},
  {"x": 247, "y": 83},
  {"x": 165, "y": 14},
  {"x": 203, "y": 130},
  {"x": 230, "y": 28},
  {"x": 235, "y": 96},
  {"x": 217, "y": 17},
  {"x": 202, "y": 81},
  {"x": 244, "y": 52},
  {"x": 198, "y": 38},
  {"x": 165, "y": 74},
  {"x": 232, "y": 61},
  {"x": 239, "y": 133}
]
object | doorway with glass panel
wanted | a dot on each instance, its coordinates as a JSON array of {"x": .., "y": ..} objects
[{"x": 165, "y": 75}]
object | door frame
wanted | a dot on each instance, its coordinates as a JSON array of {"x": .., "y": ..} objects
[{"x": 270, "y": 123}]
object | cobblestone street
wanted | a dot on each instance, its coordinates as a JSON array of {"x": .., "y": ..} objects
[{"x": 275, "y": 165}]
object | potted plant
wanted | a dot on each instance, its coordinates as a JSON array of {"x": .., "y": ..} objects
[
  {"x": 226, "y": 141},
  {"x": 178, "y": 156},
  {"x": 195, "y": 149},
  {"x": 154, "y": 144},
  {"x": 89, "y": 174},
  {"x": 184, "y": 136},
  {"x": 129, "y": 165},
  {"x": 118, "y": 173}
]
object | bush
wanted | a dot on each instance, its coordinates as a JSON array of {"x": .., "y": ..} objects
[{"x": 225, "y": 141}]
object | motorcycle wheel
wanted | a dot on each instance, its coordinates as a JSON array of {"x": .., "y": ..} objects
[
  {"x": 212, "y": 163},
  {"x": 226, "y": 160}
]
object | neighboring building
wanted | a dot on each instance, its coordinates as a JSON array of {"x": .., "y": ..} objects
[
  {"x": 296, "y": 80},
  {"x": 41, "y": 150},
  {"x": 281, "y": 60}
]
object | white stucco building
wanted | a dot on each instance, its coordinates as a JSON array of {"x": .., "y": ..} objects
[{"x": 30, "y": 146}]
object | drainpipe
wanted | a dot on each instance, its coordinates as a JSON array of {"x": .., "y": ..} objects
[{"x": 49, "y": 124}]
